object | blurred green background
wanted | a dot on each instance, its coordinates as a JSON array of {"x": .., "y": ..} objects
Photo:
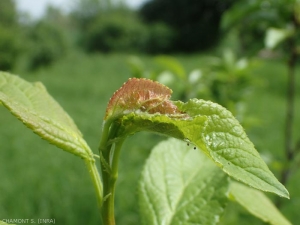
[{"x": 241, "y": 55}]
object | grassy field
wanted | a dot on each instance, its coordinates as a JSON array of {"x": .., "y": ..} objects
[{"x": 39, "y": 180}]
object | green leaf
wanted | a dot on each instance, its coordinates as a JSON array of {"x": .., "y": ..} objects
[
  {"x": 257, "y": 203},
  {"x": 225, "y": 141},
  {"x": 215, "y": 131},
  {"x": 181, "y": 186},
  {"x": 144, "y": 105},
  {"x": 33, "y": 106}
]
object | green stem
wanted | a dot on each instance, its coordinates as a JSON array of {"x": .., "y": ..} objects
[
  {"x": 93, "y": 171},
  {"x": 104, "y": 137},
  {"x": 109, "y": 149},
  {"x": 109, "y": 180}
]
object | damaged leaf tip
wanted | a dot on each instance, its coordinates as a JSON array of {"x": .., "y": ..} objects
[{"x": 141, "y": 95}]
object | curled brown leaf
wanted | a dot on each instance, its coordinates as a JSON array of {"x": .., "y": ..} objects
[{"x": 142, "y": 95}]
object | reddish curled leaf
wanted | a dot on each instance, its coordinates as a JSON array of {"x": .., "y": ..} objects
[{"x": 141, "y": 95}]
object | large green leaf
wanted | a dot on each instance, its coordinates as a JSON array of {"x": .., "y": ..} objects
[
  {"x": 32, "y": 105},
  {"x": 214, "y": 130},
  {"x": 257, "y": 203},
  {"x": 225, "y": 141},
  {"x": 181, "y": 186}
]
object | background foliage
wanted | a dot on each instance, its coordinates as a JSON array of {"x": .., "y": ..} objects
[{"x": 10, "y": 46}]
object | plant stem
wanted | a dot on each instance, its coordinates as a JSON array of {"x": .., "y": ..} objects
[
  {"x": 109, "y": 180},
  {"x": 109, "y": 149},
  {"x": 289, "y": 147},
  {"x": 93, "y": 171}
]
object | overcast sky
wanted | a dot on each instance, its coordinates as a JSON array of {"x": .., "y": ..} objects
[{"x": 36, "y": 8}]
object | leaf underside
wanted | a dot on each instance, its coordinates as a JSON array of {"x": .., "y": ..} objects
[
  {"x": 257, "y": 203},
  {"x": 33, "y": 106},
  {"x": 181, "y": 186}
]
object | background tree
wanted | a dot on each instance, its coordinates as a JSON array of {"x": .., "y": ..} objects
[
  {"x": 251, "y": 19},
  {"x": 9, "y": 34},
  {"x": 48, "y": 38},
  {"x": 196, "y": 23}
]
